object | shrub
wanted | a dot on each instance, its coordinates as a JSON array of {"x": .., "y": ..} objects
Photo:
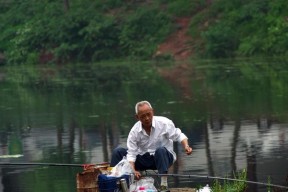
[
  {"x": 143, "y": 30},
  {"x": 221, "y": 41}
]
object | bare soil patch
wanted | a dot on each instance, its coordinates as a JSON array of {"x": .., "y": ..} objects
[{"x": 178, "y": 44}]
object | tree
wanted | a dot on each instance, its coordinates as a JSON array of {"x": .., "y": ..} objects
[{"x": 66, "y": 5}]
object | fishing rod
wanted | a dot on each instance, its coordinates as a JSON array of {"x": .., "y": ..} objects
[
  {"x": 219, "y": 178},
  {"x": 85, "y": 166}
]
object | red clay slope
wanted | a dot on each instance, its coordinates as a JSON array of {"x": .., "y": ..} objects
[{"x": 177, "y": 44}]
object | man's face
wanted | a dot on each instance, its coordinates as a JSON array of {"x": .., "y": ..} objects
[{"x": 145, "y": 115}]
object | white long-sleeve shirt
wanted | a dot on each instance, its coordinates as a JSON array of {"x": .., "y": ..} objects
[{"x": 163, "y": 133}]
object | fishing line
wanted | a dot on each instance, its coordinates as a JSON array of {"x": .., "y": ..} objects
[
  {"x": 219, "y": 178},
  {"x": 52, "y": 164},
  {"x": 147, "y": 174}
]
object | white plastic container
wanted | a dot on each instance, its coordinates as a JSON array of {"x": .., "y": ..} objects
[{"x": 205, "y": 189}]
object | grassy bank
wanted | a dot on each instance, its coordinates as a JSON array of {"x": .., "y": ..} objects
[{"x": 85, "y": 31}]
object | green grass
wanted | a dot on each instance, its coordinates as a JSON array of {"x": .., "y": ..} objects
[{"x": 234, "y": 186}]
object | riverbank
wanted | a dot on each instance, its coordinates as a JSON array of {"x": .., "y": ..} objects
[{"x": 108, "y": 30}]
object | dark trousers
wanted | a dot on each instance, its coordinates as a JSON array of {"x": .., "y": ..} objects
[{"x": 161, "y": 160}]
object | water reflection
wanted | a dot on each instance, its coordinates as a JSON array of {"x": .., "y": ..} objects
[
  {"x": 218, "y": 152},
  {"x": 231, "y": 122},
  {"x": 248, "y": 145},
  {"x": 252, "y": 168},
  {"x": 237, "y": 145}
]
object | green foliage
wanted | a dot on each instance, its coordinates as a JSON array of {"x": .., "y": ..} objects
[
  {"x": 143, "y": 30},
  {"x": 221, "y": 41},
  {"x": 88, "y": 31},
  {"x": 111, "y": 4},
  {"x": 108, "y": 29},
  {"x": 88, "y": 39},
  {"x": 185, "y": 7},
  {"x": 235, "y": 186},
  {"x": 245, "y": 28},
  {"x": 75, "y": 35}
]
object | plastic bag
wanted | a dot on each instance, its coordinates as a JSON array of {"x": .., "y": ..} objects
[
  {"x": 145, "y": 184},
  {"x": 122, "y": 168}
]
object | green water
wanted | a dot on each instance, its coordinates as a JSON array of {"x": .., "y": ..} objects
[{"x": 233, "y": 111}]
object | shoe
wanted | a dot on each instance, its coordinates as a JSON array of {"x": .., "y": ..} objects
[{"x": 163, "y": 189}]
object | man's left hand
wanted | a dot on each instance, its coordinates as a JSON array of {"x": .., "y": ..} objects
[{"x": 188, "y": 150}]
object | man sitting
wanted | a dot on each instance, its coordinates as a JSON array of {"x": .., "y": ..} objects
[{"x": 150, "y": 143}]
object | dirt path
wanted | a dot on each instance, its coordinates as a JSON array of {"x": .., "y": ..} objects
[{"x": 177, "y": 44}]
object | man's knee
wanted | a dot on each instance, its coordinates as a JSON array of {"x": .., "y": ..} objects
[
  {"x": 117, "y": 155},
  {"x": 163, "y": 160},
  {"x": 120, "y": 151},
  {"x": 161, "y": 151}
]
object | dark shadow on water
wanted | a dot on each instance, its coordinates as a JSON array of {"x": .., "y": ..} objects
[
  {"x": 251, "y": 169},
  {"x": 208, "y": 152},
  {"x": 234, "y": 145}
]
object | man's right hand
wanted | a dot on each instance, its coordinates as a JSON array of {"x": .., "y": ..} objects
[{"x": 137, "y": 175}]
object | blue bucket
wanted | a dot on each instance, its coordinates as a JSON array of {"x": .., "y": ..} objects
[{"x": 111, "y": 184}]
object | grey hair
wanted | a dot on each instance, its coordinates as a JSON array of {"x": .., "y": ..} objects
[{"x": 141, "y": 103}]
